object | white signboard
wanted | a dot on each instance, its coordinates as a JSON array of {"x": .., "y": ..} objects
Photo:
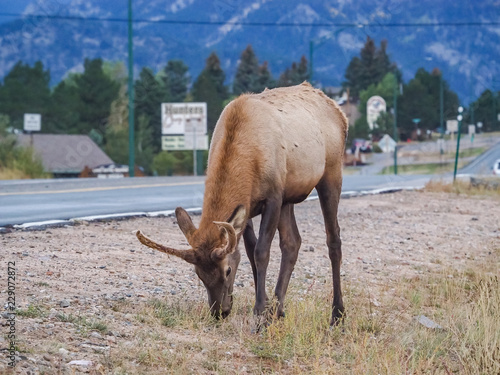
[
  {"x": 32, "y": 122},
  {"x": 375, "y": 105},
  {"x": 387, "y": 144},
  {"x": 472, "y": 129},
  {"x": 184, "y": 142},
  {"x": 181, "y": 118},
  {"x": 452, "y": 126}
]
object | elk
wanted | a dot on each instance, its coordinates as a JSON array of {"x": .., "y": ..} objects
[{"x": 268, "y": 152}]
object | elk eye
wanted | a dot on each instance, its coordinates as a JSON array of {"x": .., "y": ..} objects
[{"x": 228, "y": 271}]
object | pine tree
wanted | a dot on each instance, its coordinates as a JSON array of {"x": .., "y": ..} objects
[
  {"x": 25, "y": 90},
  {"x": 96, "y": 92},
  {"x": 265, "y": 79},
  {"x": 176, "y": 80},
  {"x": 486, "y": 108},
  {"x": 209, "y": 87},
  {"x": 370, "y": 68},
  {"x": 296, "y": 74},
  {"x": 420, "y": 100},
  {"x": 149, "y": 94},
  {"x": 247, "y": 72},
  {"x": 63, "y": 114}
]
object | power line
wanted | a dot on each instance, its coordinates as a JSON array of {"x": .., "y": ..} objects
[{"x": 262, "y": 24}]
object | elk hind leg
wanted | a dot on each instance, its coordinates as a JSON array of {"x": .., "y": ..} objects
[{"x": 329, "y": 190}]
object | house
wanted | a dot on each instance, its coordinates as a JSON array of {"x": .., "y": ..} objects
[{"x": 65, "y": 155}]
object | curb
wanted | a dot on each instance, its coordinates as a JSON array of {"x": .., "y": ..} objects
[{"x": 41, "y": 225}]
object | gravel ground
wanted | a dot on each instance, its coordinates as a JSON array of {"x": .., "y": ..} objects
[{"x": 89, "y": 266}]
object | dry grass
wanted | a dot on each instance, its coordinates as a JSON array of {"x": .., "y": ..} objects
[
  {"x": 461, "y": 187},
  {"x": 378, "y": 337}
]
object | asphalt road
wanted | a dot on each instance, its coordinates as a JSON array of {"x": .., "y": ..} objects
[
  {"x": 483, "y": 164},
  {"x": 41, "y": 200},
  {"x": 30, "y": 201}
]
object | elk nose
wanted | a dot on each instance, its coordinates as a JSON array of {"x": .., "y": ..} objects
[{"x": 225, "y": 314}]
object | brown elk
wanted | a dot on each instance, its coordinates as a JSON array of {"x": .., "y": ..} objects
[{"x": 268, "y": 152}]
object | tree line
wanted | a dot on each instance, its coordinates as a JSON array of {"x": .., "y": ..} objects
[
  {"x": 95, "y": 102},
  {"x": 372, "y": 73}
]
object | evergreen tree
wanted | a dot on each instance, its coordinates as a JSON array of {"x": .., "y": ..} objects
[
  {"x": 64, "y": 111},
  {"x": 265, "y": 79},
  {"x": 149, "y": 94},
  {"x": 25, "y": 90},
  {"x": 370, "y": 68},
  {"x": 420, "y": 100},
  {"x": 296, "y": 74},
  {"x": 96, "y": 92},
  {"x": 176, "y": 80},
  {"x": 209, "y": 87},
  {"x": 116, "y": 136},
  {"x": 247, "y": 72},
  {"x": 486, "y": 109}
]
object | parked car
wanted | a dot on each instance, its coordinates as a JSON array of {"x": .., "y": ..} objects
[
  {"x": 363, "y": 144},
  {"x": 496, "y": 168}
]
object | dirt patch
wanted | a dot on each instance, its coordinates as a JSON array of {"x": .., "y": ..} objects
[{"x": 110, "y": 283}]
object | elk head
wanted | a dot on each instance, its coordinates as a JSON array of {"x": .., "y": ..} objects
[{"x": 215, "y": 257}]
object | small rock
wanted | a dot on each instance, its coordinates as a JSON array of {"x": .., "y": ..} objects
[
  {"x": 426, "y": 322},
  {"x": 111, "y": 339},
  {"x": 25, "y": 253},
  {"x": 64, "y": 303},
  {"x": 102, "y": 267},
  {"x": 474, "y": 219},
  {"x": 47, "y": 358},
  {"x": 173, "y": 292},
  {"x": 80, "y": 362},
  {"x": 63, "y": 351},
  {"x": 96, "y": 335}
]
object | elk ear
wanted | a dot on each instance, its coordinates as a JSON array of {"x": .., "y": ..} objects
[
  {"x": 185, "y": 223},
  {"x": 238, "y": 219}
]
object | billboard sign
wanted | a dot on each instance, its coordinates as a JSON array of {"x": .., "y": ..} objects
[{"x": 182, "y": 118}]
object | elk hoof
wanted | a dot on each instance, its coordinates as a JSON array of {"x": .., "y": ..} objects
[{"x": 338, "y": 316}]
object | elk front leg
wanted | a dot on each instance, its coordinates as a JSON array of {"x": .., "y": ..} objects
[
  {"x": 250, "y": 242},
  {"x": 290, "y": 244},
  {"x": 268, "y": 225}
]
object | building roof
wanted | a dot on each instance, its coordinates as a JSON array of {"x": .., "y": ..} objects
[{"x": 65, "y": 153}]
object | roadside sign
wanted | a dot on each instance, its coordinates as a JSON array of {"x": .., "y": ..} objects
[
  {"x": 32, "y": 122},
  {"x": 452, "y": 126},
  {"x": 179, "y": 118},
  {"x": 184, "y": 142},
  {"x": 172, "y": 142},
  {"x": 472, "y": 129}
]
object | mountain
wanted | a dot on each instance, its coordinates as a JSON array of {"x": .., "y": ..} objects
[{"x": 468, "y": 55}]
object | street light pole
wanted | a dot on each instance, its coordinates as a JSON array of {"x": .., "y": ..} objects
[
  {"x": 459, "y": 118},
  {"x": 131, "y": 142}
]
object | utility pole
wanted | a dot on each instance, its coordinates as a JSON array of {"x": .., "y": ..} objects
[
  {"x": 459, "y": 118},
  {"x": 441, "y": 108},
  {"x": 131, "y": 141},
  {"x": 311, "y": 51},
  {"x": 396, "y": 128}
]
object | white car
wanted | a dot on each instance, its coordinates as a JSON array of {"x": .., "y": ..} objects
[{"x": 496, "y": 168}]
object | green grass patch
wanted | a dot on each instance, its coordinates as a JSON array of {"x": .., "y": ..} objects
[{"x": 429, "y": 168}]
